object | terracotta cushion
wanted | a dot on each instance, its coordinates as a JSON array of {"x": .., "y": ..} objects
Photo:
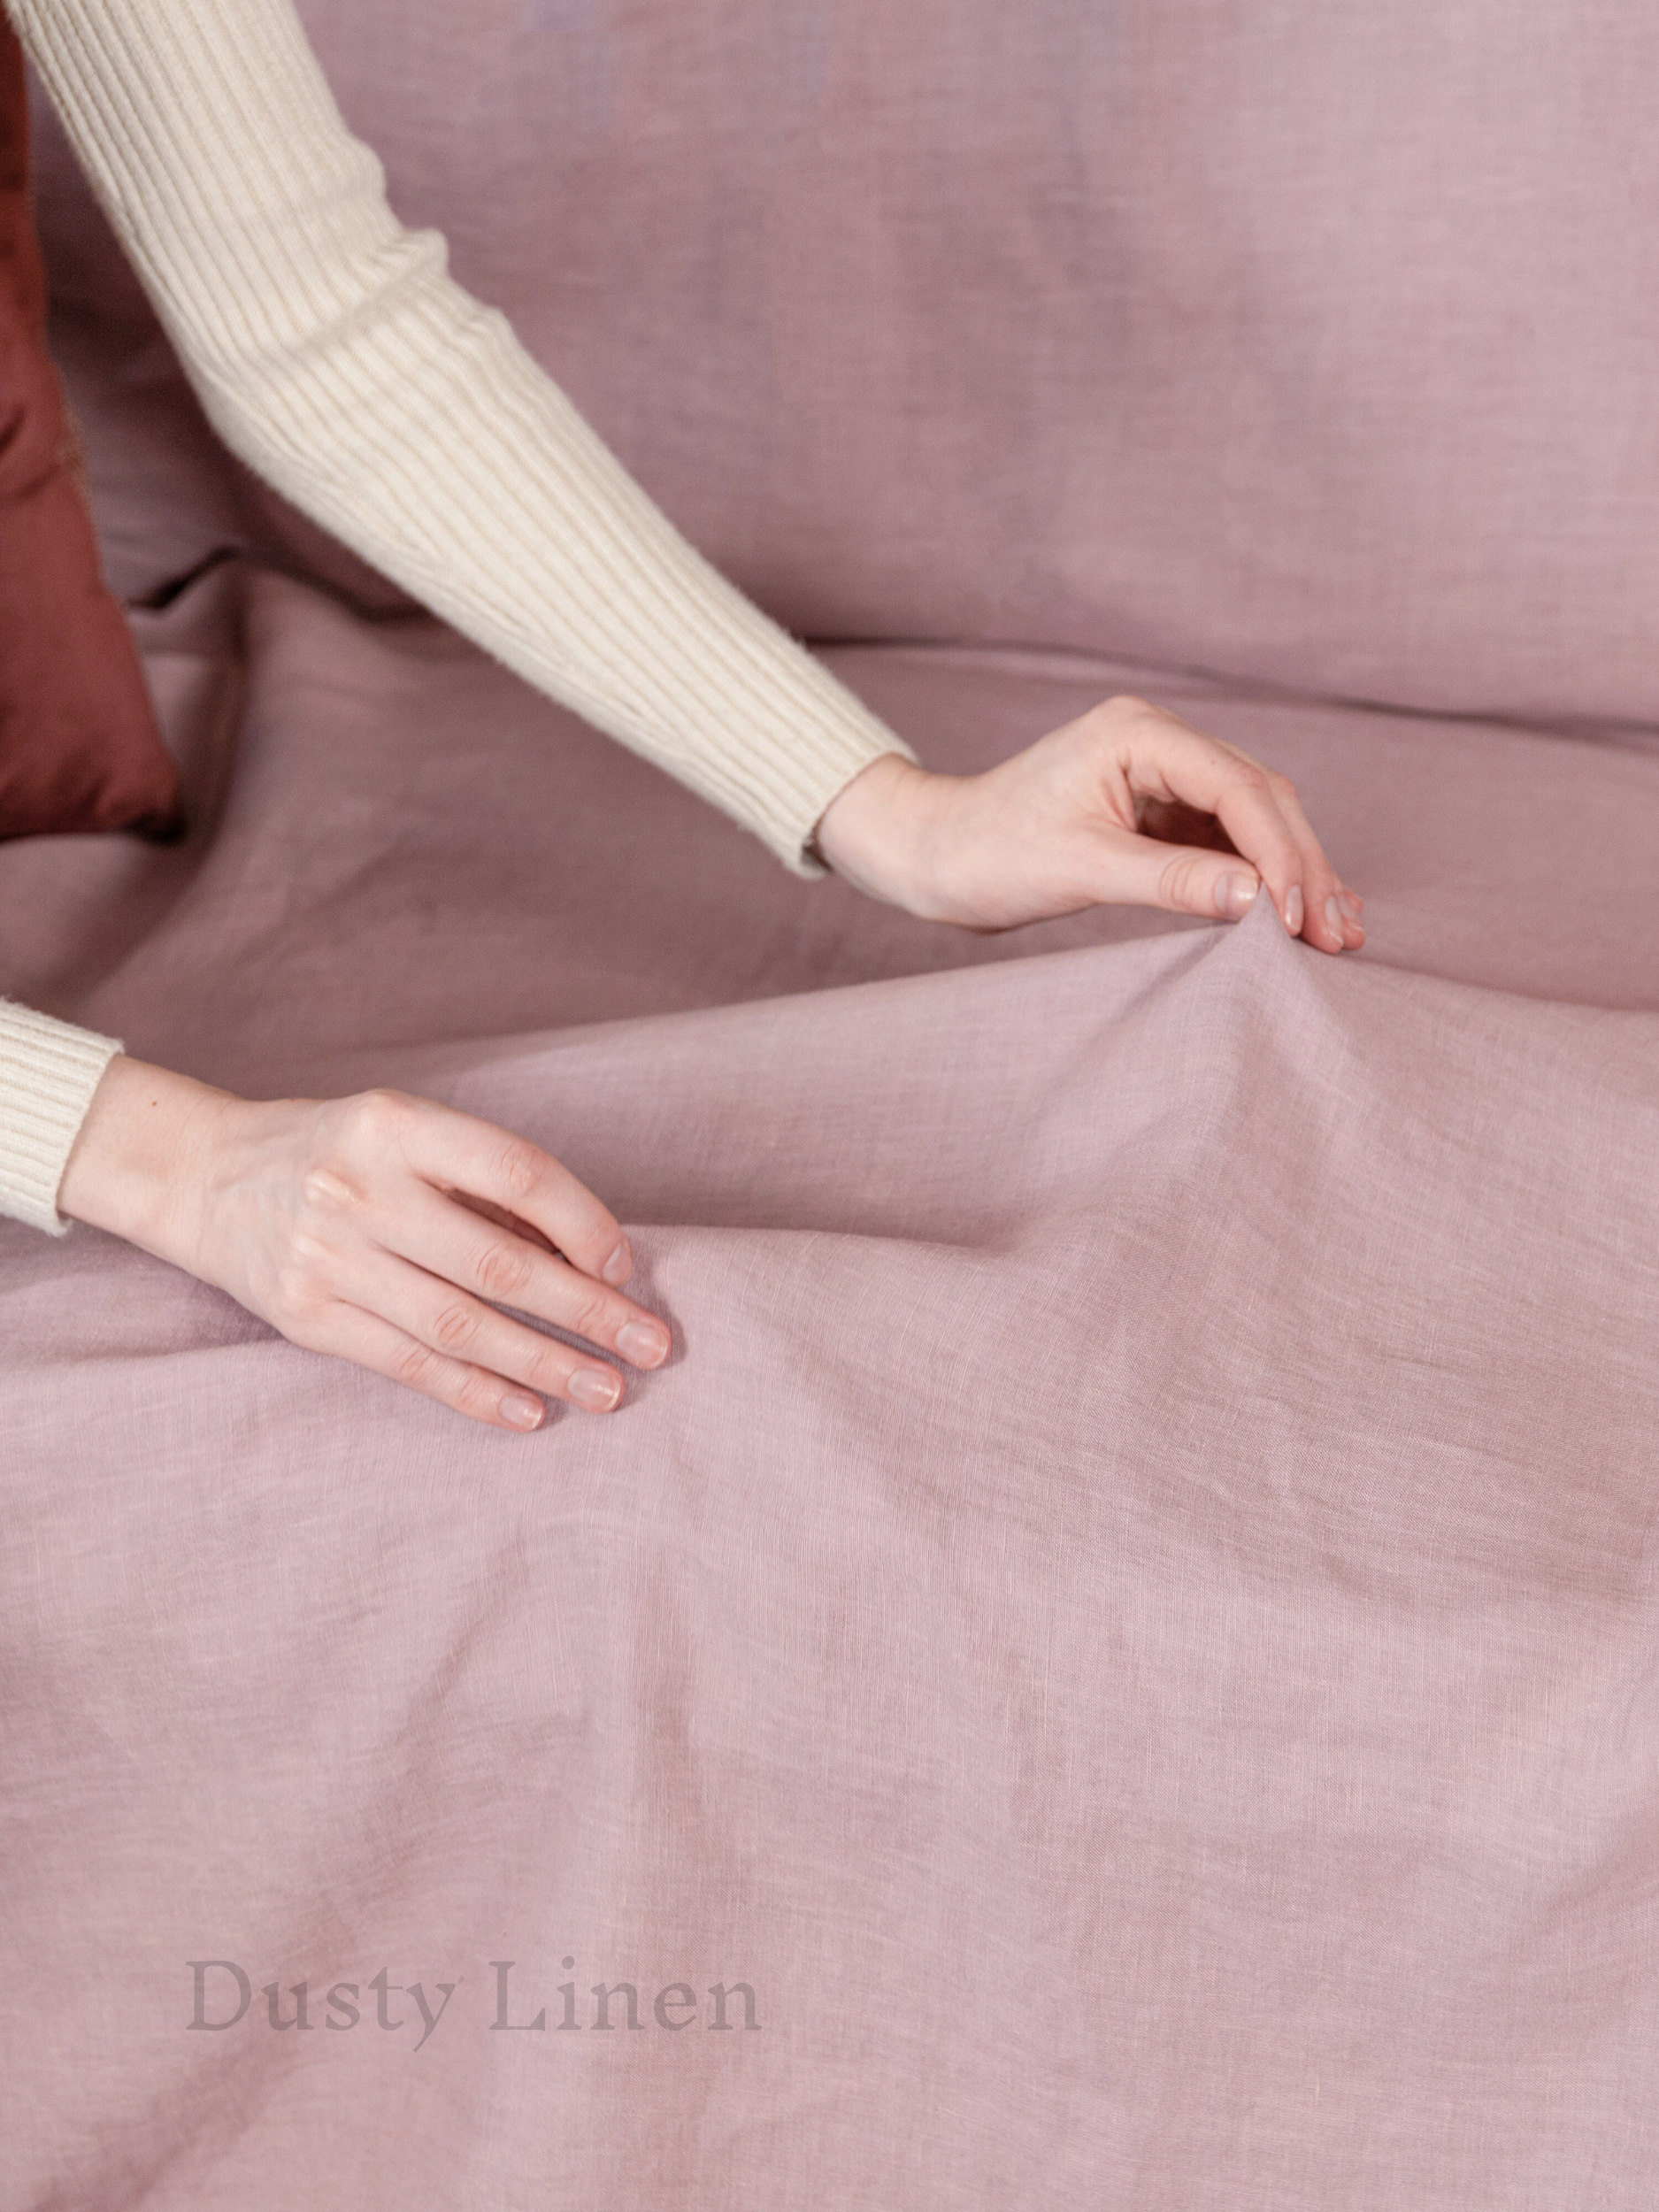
[{"x": 79, "y": 746}]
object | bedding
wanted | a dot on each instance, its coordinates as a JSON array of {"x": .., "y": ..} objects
[
  {"x": 1115, "y": 1665},
  {"x": 1122, "y": 1640}
]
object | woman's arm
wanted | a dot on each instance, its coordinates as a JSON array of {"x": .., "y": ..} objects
[{"x": 336, "y": 356}]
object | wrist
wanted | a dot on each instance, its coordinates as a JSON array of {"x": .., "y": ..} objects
[
  {"x": 129, "y": 1168},
  {"x": 878, "y": 833}
]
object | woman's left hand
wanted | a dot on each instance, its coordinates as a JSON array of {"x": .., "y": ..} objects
[{"x": 1128, "y": 805}]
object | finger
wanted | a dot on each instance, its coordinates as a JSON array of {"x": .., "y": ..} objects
[
  {"x": 450, "y": 1321},
  {"x": 1248, "y": 811},
  {"x": 1183, "y": 879},
  {"x": 490, "y": 1260},
  {"x": 1326, "y": 924},
  {"x": 1260, "y": 810},
  {"x": 1337, "y": 907},
  {"x": 347, "y": 1333},
  {"x": 1173, "y": 760},
  {"x": 458, "y": 1152}
]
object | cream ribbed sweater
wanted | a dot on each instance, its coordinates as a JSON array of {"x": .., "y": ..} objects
[{"x": 333, "y": 353}]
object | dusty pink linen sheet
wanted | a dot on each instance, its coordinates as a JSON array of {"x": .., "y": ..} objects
[{"x": 1129, "y": 1623}]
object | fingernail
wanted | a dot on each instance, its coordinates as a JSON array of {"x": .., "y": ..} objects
[
  {"x": 1351, "y": 904},
  {"x": 1333, "y": 921},
  {"x": 1292, "y": 910},
  {"x": 523, "y": 1411},
  {"x": 1236, "y": 895},
  {"x": 595, "y": 1388},
  {"x": 641, "y": 1345},
  {"x": 618, "y": 1267}
]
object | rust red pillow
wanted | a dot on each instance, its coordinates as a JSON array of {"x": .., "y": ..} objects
[{"x": 79, "y": 746}]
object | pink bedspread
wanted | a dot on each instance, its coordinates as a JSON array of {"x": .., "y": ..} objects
[{"x": 1126, "y": 1633}]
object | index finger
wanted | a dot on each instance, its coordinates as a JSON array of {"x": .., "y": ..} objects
[
  {"x": 1238, "y": 792},
  {"x": 460, "y": 1152}
]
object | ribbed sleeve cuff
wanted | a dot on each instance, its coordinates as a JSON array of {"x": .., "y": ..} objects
[{"x": 48, "y": 1070}]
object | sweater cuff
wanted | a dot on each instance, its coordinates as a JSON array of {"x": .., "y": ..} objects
[
  {"x": 820, "y": 774},
  {"x": 48, "y": 1070}
]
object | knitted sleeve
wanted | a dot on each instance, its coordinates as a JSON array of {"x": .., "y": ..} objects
[
  {"x": 333, "y": 353},
  {"x": 48, "y": 1073}
]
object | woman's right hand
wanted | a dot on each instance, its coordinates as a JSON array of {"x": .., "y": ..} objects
[{"x": 378, "y": 1228}]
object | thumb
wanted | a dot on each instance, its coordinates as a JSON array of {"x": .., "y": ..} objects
[{"x": 1188, "y": 880}]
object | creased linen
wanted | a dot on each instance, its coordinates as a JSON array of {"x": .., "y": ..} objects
[{"x": 1127, "y": 1626}]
